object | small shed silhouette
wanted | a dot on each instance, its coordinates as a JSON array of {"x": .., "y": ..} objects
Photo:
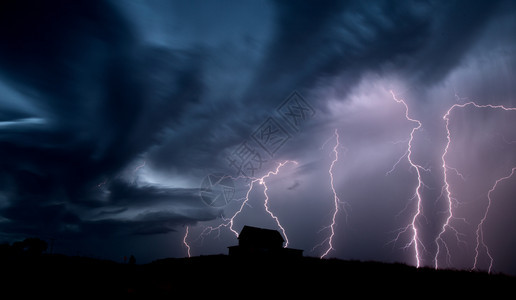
[{"x": 261, "y": 242}]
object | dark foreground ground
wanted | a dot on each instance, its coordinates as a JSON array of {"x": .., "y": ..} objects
[{"x": 221, "y": 276}]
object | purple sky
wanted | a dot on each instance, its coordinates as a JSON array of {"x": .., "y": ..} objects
[{"x": 112, "y": 113}]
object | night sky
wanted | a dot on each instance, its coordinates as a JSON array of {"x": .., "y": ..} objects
[{"x": 115, "y": 116}]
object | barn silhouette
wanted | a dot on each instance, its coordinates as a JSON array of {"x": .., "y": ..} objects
[{"x": 261, "y": 242}]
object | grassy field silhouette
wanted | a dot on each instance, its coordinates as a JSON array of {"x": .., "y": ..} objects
[{"x": 221, "y": 275}]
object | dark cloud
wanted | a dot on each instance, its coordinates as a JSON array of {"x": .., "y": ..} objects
[
  {"x": 150, "y": 223},
  {"x": 455, "y": 27},
  {"x": 102, "y": 99}
]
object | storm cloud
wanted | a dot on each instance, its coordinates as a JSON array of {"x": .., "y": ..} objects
[{"x": 112, "y": 113}]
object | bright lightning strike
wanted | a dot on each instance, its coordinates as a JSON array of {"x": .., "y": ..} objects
[
  {"x": 480, "y": 227},
  {"x": 229, "y": 222},
  {"x": 446, "y": 189},
  {"x": 186, "y": 243},
  {"x": 262, "y": 181},
  {"x": 266, "y": 201},
  {"x": 415, "y": 241},
  {"x": 336, "y": 199},
  {"x": 450, "y": 200}
]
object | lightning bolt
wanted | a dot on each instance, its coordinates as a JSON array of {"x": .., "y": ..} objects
[
  {"x": 415, "y": 241},
  {"x": 229, "y": 222},
  {"x": 450, "y": 200},
  {"x": 480, "y": 227},
  {"x": 336, "y": 200},
  {"x": 446, "y": 191},
  {"x": 261, "y": 181},
  {"x": 266, "y": 201},
  {"x": 186, "y": 243}
]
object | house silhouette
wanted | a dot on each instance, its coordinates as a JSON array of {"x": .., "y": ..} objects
[{"x": 261, "y": 242}]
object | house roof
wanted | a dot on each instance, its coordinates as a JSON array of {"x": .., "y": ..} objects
[{"x": 260, "y": 234}]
